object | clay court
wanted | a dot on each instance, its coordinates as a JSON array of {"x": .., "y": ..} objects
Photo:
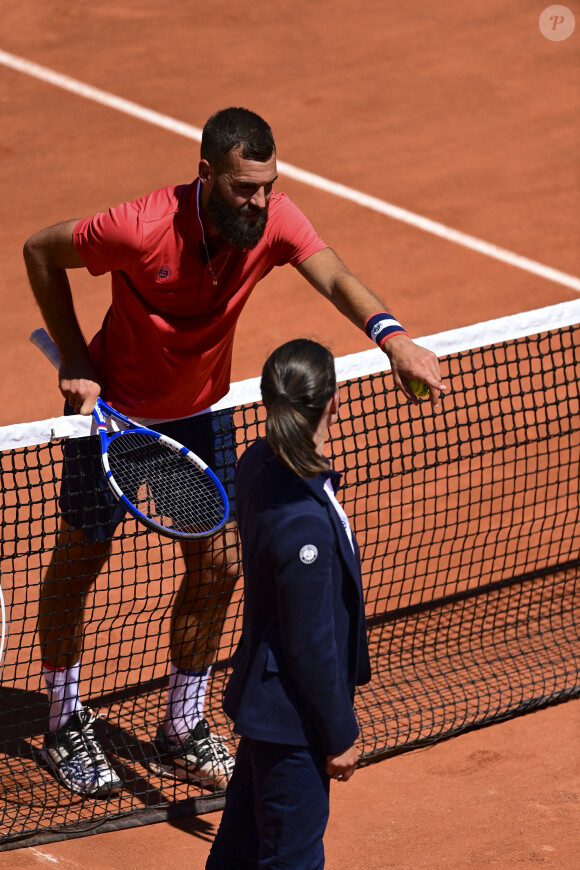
[{"x": 465, "y": 116}]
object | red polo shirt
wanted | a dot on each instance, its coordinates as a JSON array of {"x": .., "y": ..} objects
[{"x": 165, "y": 347}]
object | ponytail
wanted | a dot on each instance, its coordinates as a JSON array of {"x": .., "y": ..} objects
[{"x": 298, "y": 379}]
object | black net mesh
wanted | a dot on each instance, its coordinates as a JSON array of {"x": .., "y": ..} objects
[{"x": 468, "y": 524}]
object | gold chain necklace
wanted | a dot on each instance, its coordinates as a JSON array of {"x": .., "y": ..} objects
[{"x": 213, "y": 274}]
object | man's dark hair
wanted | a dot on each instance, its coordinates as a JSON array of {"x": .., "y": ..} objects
[{"x": 235, "y": 128}]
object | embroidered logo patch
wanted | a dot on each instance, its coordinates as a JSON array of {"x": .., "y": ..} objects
[
  {"x": 308, "y": 554},
  {"x": 164, "y": 273}
]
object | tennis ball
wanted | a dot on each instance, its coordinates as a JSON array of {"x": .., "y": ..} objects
[{"x": 420, "y": 389}]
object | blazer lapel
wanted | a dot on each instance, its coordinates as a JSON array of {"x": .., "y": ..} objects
[
  {"x": 346, "y": 551},
  {"x": 352, "y": 559}
]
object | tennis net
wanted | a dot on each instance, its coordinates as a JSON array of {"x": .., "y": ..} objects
[{"x": 469, "y": 530}]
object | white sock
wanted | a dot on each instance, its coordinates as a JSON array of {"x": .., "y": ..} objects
[
  {"x": 185, "y": 702},
  {"x": 62, "y": 686}
]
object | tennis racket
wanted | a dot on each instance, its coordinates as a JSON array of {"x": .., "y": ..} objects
[{"x": 159, "y": 481}]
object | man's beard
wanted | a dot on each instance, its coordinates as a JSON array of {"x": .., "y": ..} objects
[{"x": 232, "y": 224}]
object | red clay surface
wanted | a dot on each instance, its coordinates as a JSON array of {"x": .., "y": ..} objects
[{"x": 462, "y": 113}]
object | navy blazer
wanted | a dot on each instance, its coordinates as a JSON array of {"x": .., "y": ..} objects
[{"x": 303, "y": 646}]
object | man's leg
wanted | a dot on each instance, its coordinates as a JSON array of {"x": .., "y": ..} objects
[
  {"x": 201, "y": 604},
  {"x": 70, "y": 746},
  {"x": 70, "y": 576},
  {"x": 90, "y": 514},
  {"x": 187, "y": 748}
]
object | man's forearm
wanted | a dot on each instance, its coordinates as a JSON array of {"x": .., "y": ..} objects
[
  {"x": 51, "y": 288},
  {"x": 354, "y": 300}
]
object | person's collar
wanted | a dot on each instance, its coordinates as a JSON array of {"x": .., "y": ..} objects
[
  {"x": 314, "y": 484},
  {"x": 335, "y": 478}
]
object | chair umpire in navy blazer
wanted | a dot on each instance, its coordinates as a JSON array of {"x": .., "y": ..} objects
[
  {"x": 302, "y": 651},
  {"x": 304, "y": 647}
]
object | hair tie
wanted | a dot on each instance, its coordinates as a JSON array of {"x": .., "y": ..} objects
[{"x": 284, "y": 396}]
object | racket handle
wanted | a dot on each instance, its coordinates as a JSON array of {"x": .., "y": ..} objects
[{"x": 42, "y": 340}]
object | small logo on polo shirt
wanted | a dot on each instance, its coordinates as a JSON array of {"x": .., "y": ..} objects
[
  {"x": 308, "y": 554},
  {"x": 164, "y": 273}
]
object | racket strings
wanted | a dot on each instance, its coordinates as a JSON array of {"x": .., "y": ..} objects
[{"x": 167, "y": 487}]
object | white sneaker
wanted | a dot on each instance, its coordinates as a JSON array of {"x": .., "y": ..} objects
[
  {"x": 78, "y": 760},
  {"x": 202, "y": 757}
]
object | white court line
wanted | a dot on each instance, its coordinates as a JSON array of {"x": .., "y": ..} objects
[
  {"x": 308, "y": 178},
  {"x": 45, "y": 859},
  {"x": 43, "y": 856}
]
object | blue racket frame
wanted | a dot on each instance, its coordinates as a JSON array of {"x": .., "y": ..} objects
[{"x": 100, "y": 412}]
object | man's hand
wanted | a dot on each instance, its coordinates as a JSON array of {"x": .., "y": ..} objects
[
  {"x": 410, "y": 360},
  {"x": 342, "y": 767},
  {"x": 80, "y": 385}
]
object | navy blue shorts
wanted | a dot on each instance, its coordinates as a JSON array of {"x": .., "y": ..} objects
[{"x": 87, "y": 503}]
